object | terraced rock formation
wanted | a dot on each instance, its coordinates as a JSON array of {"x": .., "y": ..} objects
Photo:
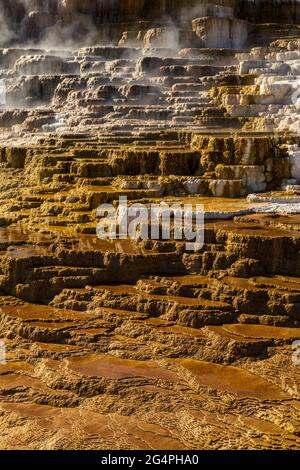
[{"x": 134, "y": 343}]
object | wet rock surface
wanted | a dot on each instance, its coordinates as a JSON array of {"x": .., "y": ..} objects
[{"x": 143, "y": 344}]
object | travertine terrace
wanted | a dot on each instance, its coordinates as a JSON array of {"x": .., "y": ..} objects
[{"x": 134, "y": 344}]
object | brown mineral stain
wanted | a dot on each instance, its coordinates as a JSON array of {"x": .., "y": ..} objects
[
  {"x": 12, "y": 381},
  {"x": 91, "y": 331},
  {"x": 18, "y": 366},
  {"x": 183, "y": 330},
  {"x": 32, "y": 312},
  {"x": 55, "y": 348},
  {"x": 110, "y": 367},
  {"x": 233, "y": 380},
  {"x": 263, "y": 331}
]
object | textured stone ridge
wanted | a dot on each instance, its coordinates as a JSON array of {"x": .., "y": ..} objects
[{"x": 142, "y": 344}]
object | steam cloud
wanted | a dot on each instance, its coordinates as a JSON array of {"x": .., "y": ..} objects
[
  {"x": 73, "y": 23},
  {"x": 6, "y": 31},
  {"x": 49, "y": 23}
]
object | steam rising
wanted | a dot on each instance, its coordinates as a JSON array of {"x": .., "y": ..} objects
[
  {"x": 6, "y": 31},
  {"x": 74, "y": 23},
  {"x": 48, "y": 23}
]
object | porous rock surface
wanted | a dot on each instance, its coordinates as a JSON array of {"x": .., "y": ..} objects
[{"x": 142, "y": 344}]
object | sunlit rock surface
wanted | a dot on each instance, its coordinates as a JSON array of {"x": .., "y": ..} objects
[{"x": 143, "y": 344}]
